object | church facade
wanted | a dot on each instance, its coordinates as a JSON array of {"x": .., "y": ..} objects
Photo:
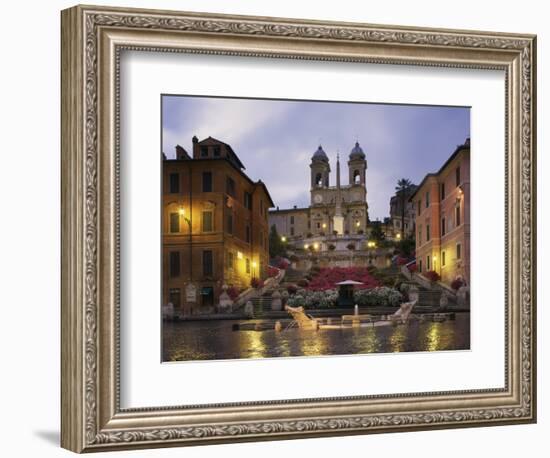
[{"x": 334, "y": 209}]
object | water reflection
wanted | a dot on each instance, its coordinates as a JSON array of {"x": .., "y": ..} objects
[{"x": 206, "y": 340}]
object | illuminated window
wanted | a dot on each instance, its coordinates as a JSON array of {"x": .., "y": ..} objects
[
  {"x": 174, "y": 222},
  {"x": 207, "y": 221}
]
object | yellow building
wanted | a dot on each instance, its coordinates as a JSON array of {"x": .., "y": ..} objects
[{"x": 215, "y": 226}]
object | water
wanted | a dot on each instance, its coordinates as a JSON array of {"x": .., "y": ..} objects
[{"x": 208, "y": 340}]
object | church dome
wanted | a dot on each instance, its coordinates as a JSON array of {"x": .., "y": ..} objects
[
  {"x": 357, "y": 152},
  {"x": 320, "y": 155}
]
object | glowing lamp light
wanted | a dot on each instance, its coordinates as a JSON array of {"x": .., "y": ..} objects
[
  {"x": 306, "y": 246},
  {"x": 316, "y": 246},
  {"x": 283, "y": 239},
  {"x": 398, "y": 236},
  {"x": 324, "y": 225},
  {"x": 181, "y": 211},
  {"x": 239, "y": 255},
  {"x": 254, "y": 264},
  {"x": 358, "y": 224}
]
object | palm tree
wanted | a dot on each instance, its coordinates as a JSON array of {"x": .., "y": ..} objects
[{"x": 403, "y": 190}]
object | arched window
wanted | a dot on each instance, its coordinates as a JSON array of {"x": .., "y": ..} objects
[
  {"x": 356, "y": 177},
  {"x": 319, "y": 179}
]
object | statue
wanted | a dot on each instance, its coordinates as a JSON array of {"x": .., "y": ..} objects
[
  {"x": 226, "y": 303},
  {"x": 276, "y": 301},
  {"x": 249, "y": 309}
]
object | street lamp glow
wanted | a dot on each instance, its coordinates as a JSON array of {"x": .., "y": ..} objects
[
  {"x": 324, "y": 225},
  {"x": 254, "y": 264},
  {"x": 306, "y": 246},
  {"x": 398, "y": 236},
  {"x": 181, "y": 211},
  {"x": 239, "y": 255},
  {"x": 358, "y": 224},
  {"x": 316, "y": 246},
  {"x": 283, "y": 239}
]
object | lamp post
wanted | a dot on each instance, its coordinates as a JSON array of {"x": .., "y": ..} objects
[
  {"x": 188, "y": 221},
  {"x": 254, "y": 265}
]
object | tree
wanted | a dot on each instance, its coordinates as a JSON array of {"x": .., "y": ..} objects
[
  {"x": 276, "y": 246},
  {"x": 406, "y": 247},
  {"x": 376, "y": 233},
  {"x": 403, "y": 190}
]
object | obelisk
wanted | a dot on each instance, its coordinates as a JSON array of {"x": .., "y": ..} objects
[{"x": 338, "y": 219}]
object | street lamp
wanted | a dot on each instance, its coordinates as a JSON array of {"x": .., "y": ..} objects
[
  {"x": 254, "y": 265},
  {"x": 181, "y": 212},
  {"x": 398, "y": 236},
  {"x": 283, "y": 239}
]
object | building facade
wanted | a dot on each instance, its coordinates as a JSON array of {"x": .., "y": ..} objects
[
  {"x": 442, "y": 206},
  {"x": 214, "y": 226},
  {"x": 339, "y": 208},
  {"x": 397, "y": 225}
]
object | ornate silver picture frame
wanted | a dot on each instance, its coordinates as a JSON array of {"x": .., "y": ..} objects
[{"x": 93, "y": 39}]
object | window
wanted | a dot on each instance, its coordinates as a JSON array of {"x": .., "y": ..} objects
[
  {"x": 261, "y": 206},
  {"x": 458, "y": 251},
  {"x": 292, "y": 232},
  {"x": 457, "y": 216},
  {"x": 230, "y": 223},
  {"x": 230, "y": 186},
  {"x": 207, "y": 221},
  {"x": 229, "y": 260},
  {"x": 247, "y": 233},
  {"x": 318, "y": 225},
  {"x": 248, "y": 200},
  {"x": 247, "y": 265},
  {"x": 204, "y": 151},
  {"x": 217, "y": 151},
  {"x": 292, "y": 220},
  {"x": 442, "y": 259},
  {"x": 457, "y": 175},
  {"x": 419, "y": 235},
  {"x": 419, "y": 207},
  {"x": 174, "y": 222},
  {"x": 442, "y": 191},
  {"x": 406, "y": 225},
  {"x": 420, "y": 265},
  {"x": 206, "y": 181},
  {"x": 174, "y": 263},
  {"x": 427, "y": 199},
  {"x": 207, "y": 263},
  {"x": 398, "y": 224},
  {"x": 427, "y": 232},
  {"x": 174, "y": 183},
  {"x": 428, "y": 262},
  {"x": 443, "y": 228}
]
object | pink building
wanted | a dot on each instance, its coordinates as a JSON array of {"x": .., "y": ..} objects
[{"x": 442, "y": 206}]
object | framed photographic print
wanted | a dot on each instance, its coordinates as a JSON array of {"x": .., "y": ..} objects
[{"x": 278, "y": 228}]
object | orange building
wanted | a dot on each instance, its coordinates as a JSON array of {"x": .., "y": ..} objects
[
  {"x": 442, "y": 205},
  {"x": 215, "y": 228}
]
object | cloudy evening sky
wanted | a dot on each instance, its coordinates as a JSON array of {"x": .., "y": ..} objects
[{"x": 275, "y": 140}]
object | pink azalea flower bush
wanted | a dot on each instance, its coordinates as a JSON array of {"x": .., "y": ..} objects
[{"x": 328, "y": 277}]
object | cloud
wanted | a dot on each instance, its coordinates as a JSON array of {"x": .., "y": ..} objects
[{"x": 276, "y": 139}]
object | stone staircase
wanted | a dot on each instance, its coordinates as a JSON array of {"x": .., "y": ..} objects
[
  {"x": 262, "y": 304},
  {"x": 292, "y": 276}
]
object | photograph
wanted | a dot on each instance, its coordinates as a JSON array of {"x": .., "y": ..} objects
[{"x": 301, "y": 228}]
